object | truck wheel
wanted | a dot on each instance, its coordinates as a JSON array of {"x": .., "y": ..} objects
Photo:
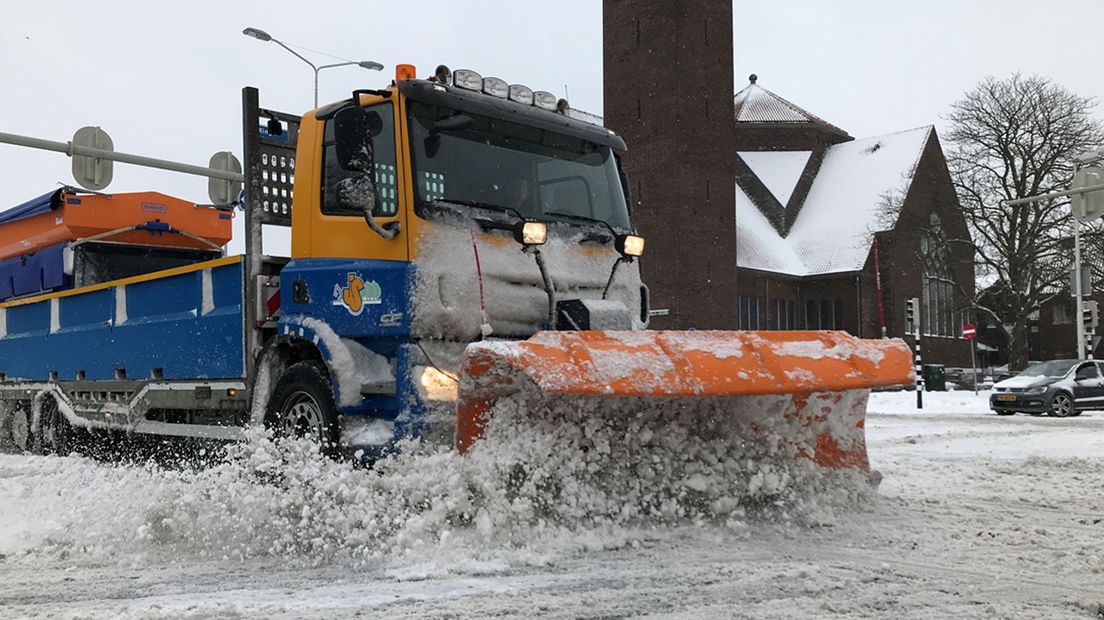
[
  {"x": 21, "y": 427},
  {"x": 302, "y": 405},
  {"x": 56, "y": 435},
  {"x": 7, "y": 411}
]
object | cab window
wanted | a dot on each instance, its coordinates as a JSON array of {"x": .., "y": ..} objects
[{"x": 383, "y": 150}]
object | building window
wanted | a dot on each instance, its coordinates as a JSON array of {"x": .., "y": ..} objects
[
  {"x": 1063, "y": 314},
  {"x": 784, "y": 315},
  {"x": 938, "y": 309},
  {"x": 825, "y": 314},
  {"x": 749, "y": 312}
]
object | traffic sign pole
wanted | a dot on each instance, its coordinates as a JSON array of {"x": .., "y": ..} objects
[{"x": 969, "y": 332}]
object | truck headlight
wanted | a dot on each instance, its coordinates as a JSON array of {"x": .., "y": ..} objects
[
  {"x": 531, "y": 233},
  {"x": 630, "y": 245},
  {"x": 437, "y": 384}
]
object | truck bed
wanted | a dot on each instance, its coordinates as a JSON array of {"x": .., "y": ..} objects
[{"x": 179, "y": 324}]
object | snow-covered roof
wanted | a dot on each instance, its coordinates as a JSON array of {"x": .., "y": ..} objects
[
  {"x": 845, "y": 205},
  {"x": 758, "y": 244},
  {"x": 755, "y": 104},
  {"x": 778, "y": 170}
]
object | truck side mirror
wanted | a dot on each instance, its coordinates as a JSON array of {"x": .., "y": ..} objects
[{"x": 353, "y": 130}]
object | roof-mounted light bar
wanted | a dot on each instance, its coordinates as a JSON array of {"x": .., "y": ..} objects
[
  {"x": 496, "y": 87},
  {"x": 521, "y": 94},
  {"x": 467, "y": 79},
  {"x": 545, "y": 100}
]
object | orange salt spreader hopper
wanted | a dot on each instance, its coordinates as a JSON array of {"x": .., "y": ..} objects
[
  {"x": 808, "y": 388},
  {"x": 68, "y": 215}
]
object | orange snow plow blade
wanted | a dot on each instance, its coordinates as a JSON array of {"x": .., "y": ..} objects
[{"x": 808, "y": 390}]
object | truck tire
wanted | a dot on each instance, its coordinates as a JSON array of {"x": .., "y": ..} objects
[
  {"x": 302, "y": 405},
  {"x": 56, "y": 435},
  {"x": 21, "y": 435},
  {"x": 7, "y": 412}
]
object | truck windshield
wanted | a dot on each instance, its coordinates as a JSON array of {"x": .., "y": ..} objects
[{"x": 480, "y": 161}]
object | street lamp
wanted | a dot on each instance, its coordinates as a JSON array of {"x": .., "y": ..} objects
[{"x": 261, "y": 35}]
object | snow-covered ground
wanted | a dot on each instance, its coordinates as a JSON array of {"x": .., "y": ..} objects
[{"x": 977, "y": 516}]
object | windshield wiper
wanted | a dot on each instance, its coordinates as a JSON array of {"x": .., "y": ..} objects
[
  {"x": 585, "y": 220},
  {"x": 486, "y": 222},
  {"x": 479, "y": 205}
]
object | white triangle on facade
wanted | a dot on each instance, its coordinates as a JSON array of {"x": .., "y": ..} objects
[{"x": 778, "y": 170}]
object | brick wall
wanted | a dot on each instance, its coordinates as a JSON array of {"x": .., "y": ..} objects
[{"x": 668, "y": 92}]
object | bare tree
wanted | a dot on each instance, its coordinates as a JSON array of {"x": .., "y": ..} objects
[{"x": 1015, "y": 138}]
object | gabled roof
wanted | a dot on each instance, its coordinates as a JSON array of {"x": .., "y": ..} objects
[
  {"x": 844, "y": 207},
  {"x": 756, "y": 104}
]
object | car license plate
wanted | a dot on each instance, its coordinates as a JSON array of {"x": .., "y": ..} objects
[{"x": 1006, "y": 397}]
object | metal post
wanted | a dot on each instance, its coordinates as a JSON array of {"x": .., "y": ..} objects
[
  {"x": 973, "y": 361},
  {"x": 1059, "y": 194},
  {"x": 1077, "y": 287},
  {"x": 254, "y": 250},
  {"x": 919, "y": 367},
  {"x": 71, "y": 149}
]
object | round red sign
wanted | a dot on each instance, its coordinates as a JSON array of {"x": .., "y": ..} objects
[{"x": 969, "y": 332}]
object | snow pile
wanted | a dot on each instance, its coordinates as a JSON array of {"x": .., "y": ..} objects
[
  {"x": 935, "y": 403},
  {"x": 544, "y": 482}
]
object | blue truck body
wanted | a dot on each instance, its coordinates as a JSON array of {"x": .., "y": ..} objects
[{"x": 150, "y": 326}]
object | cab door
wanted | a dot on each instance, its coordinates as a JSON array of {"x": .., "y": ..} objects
[
  {"x": 340, "y": 230},
  {"x": 1088, "y": 387}
]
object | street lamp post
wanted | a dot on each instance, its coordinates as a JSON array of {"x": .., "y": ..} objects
[{"x": 261, "y": 35}]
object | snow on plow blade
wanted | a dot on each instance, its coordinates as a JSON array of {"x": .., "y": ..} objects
[{"x": 806, "y": 389}]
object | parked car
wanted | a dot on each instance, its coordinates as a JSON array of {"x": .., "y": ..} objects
[{"x": 1060, "y": 388}]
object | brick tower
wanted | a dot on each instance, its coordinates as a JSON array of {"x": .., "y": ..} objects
[{"x": 669, "y": 92}]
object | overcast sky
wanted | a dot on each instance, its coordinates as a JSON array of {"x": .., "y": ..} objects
[{"x": 166, "y": 82}]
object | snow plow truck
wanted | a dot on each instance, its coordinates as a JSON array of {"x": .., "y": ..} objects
[{"x": 458, "y": 245}]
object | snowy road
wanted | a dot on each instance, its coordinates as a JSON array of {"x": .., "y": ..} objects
[{"x": 977, "y": 516}]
